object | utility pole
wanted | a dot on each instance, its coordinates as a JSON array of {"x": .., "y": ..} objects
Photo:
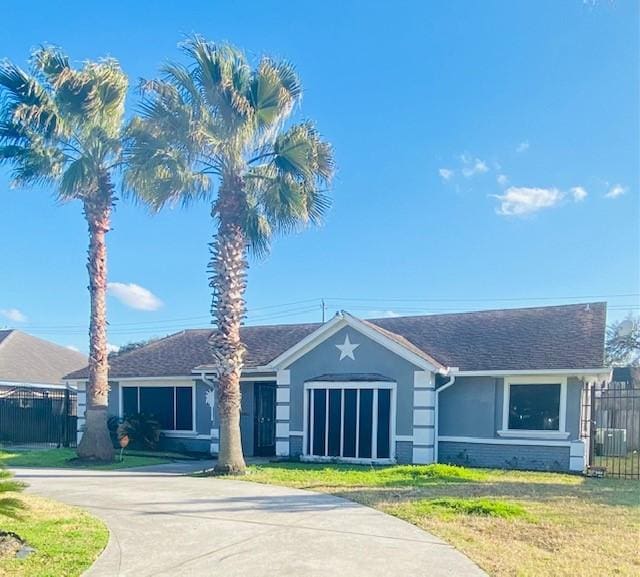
[{"x": 324, "y": 308}]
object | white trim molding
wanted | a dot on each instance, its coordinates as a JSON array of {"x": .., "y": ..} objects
[
  {"x": 591, "y": 374},
  {"x": 424, "y": 400},
  {"x": 494, "y": 441},
  {"x": 577, "y": 452},
  {"x": 554, "y": 379},
  {"x": 283, "y": 412},
  {"x": 524, "y": 434}
]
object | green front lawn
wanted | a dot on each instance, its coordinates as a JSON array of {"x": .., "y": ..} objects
[
  {"x": 67, "y": 458},
  {"x": 67, "y": 540},
  {"x": 512, "y": 523}
]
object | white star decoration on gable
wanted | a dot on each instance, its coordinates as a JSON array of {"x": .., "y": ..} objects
[{"x": 346, "y": 349}]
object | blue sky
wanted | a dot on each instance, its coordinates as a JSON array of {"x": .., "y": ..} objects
[{"x": 488, "y": 157}]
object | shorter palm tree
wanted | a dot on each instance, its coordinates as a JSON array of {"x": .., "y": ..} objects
[
  {"x": 217, "y": 130},
  {"x": 61, "y": 126}
]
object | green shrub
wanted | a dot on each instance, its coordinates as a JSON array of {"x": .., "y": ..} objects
[{"x": 143, "y": 431}]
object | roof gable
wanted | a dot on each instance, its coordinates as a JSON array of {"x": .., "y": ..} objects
[{"x": 393, "y": 342}]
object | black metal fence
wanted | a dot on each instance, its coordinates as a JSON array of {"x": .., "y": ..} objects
[
  {"x": 611, "y": 429},
  {"x": 38, "y": 417}
]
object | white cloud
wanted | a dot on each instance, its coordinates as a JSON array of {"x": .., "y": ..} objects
[
  {"x": 134, "y": 296},
  {"x": 615, "y": 191},
  {"x": 522, "y": 201},
  {"x": 383, "y": 314},
  {"x": 446, "y": 173},
  {"x": 72, "y": 348},
  {"x": 15, "y": 315},
  {"x": 502, "y": 179},
  {"x": 112, "y": 348},
  {"x": 523, "y": 146},
  {"x": 579, "y": 193},
  {"x": 473, "y": 166}
]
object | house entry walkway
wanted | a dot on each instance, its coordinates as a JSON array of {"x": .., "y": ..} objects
[{"x": 167, "y": 524}]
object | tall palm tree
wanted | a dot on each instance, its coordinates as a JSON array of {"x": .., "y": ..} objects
[
  {"x": 62, "y": 126},
  {"x": 216, "y": 129}
]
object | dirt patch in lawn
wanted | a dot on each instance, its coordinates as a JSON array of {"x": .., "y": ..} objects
[{"x": 10, "y": 544}]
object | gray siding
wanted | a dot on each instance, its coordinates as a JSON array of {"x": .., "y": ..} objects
[
  {"x": 295, "y": 446},
  {"x": 113, "y": 403},
  {"x": 574, "y": 402},
  {"x": 468, "y": 408},
  {"x": 203, "y": 411},
  {"x": 533, "y": 457},
  {"x": 404, "y": 452}
]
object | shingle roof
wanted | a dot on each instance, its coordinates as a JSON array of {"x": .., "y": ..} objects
[
  {"x": 28, "y": 359},
  {"x": 557, "y": 337}
]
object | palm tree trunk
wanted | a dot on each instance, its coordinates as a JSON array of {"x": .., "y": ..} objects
[
  {"x": 228, "y": 268},
  {"x": 96, "y": 442}
]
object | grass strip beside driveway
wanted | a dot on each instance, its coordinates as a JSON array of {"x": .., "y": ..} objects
[
  {"x": 67, "y": 458},
  {"x": 66, "y": 539},
  {"x": 512, "y": 523}
]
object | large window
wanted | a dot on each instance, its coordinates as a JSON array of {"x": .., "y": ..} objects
[
  {"x": 534, "y": 407},
  {"x": 171, "y": 406},
  {"x": 349, "y": 422}
]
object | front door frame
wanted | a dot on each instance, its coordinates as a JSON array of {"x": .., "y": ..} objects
[{"x": 264, "y": 450}]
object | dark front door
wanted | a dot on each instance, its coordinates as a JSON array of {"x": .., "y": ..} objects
[{"x": 265, "y": 419}]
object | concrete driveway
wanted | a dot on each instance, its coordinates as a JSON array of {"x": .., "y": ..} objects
[{"x": 166, "y": 524}]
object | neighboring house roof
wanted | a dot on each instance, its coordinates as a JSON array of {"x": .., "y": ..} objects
[
  {"x": 541, "y": 338},
  {"x": 28, "y": 359}
]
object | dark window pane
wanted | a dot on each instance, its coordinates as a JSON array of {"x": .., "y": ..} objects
[
  {"x": 534, "y": 407},
  {"x": 319, "y": 417},
  {"x": 310, "y": 393},
  {"x": 158, "y": 401},
  {"x": 335, "y": 419},
  {"x": 384, "y": 414},
  {"x": 350, "y": 407},
  {"x": 129, "y": 401},
  {"x": 184, "y": 409},
  {"x": 366, "y": 423}
]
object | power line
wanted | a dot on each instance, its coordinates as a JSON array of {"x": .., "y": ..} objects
[{"x": 284, "y": 310}]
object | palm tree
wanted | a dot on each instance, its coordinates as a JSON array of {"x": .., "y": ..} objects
[
  {"x": 216, "y": 130},
  {"x": 61, "y": 126}
]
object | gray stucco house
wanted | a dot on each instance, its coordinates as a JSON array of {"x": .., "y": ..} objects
[{"x": 498, "y": 388}]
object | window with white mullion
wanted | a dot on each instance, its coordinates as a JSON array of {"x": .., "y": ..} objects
[
  {"x": 374, "y": 425},
  {"x": 341, "y": 422},
  {"x": 349, "y": 422},
  {"x": 357, "y": 423},
  {"x": 326, "y": 423},
  {"x": 312, "y": 413}
]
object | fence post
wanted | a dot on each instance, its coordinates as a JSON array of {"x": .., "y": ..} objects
[{"x": 65, "y": 430}]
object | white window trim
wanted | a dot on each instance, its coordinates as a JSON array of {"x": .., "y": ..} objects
[
  {"x": 168, "y": 432},
  {"x": 561, "y": 433},
  {"x": 357, "y": 385}
]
